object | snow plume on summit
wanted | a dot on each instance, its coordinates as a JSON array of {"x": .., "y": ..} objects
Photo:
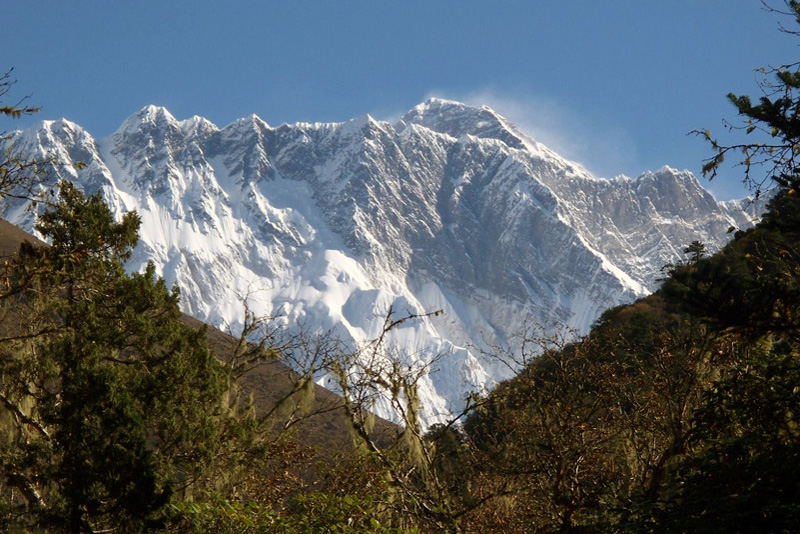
[
  {"x": 603, "y": 147},
  {"x": 332, "y": 225}
]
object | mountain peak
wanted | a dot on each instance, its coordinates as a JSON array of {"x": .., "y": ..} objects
[
  {"x": 674, "y": 191},
  {"x": 48, "y": 132},
  {"x": 435, "y": 102},
  {"x": 458, "y": 119},
  {"x": 357, "y": 125},
  {"x": 148, "y": 117},
  {"x": 671, "y": 174},
  {"x": 154, "y": 114},
  {"x": 198, "y": 126},
  {"x": 251, "y": 122},
  {"x": 61, "y": 125}
]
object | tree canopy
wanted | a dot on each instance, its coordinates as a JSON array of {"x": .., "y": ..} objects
[{"x": 113, "y": 400}]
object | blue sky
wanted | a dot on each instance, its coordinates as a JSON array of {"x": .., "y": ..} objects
[{"x": 613, "y": 85}]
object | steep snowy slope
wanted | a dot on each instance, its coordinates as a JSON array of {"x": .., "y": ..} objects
[{"x": 330, "y": 225}]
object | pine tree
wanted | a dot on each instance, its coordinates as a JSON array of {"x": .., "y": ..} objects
[
  {"x": 112, "y": 403},
  {"x": 773, "y": 123},
  {"x": 695, "y": 251}
]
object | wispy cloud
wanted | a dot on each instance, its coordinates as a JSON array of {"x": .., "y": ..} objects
[{"x": 605, "y": 150}]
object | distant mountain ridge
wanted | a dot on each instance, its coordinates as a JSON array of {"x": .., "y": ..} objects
[{"x": 330, "y": 225}]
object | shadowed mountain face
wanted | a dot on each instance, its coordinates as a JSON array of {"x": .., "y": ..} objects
[{"x": 333, "y": 225}]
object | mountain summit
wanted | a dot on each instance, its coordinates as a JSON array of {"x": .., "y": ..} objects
[
  {"x": 457, "y": 120},
  {"x": 332, "y": 225}
]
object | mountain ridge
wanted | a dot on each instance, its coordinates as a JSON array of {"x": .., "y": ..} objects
[{"x": 333, "y": 224}]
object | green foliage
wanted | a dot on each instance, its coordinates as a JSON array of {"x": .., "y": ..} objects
[
  {"x": 754, "y": 283},
  {"x": 590, "y": 425},
  {"x": 113, "y": 403},
  {"x": 744, "y": 475},
  {"x": 116, "y": 417},
  {"x": 773, "y": 122},
  {"x": 696, "y": 250},
  {"x": 313, "y": 513}
]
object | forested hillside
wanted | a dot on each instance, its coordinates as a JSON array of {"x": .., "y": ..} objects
[{"x": 676, "y": 414}]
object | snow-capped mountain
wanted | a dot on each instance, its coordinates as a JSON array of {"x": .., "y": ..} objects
[{"x": 330, "y": 225}]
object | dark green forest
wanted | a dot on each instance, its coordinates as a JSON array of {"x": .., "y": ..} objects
[{"x": 679, "y": 413}]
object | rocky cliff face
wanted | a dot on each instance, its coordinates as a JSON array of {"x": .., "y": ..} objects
[{"x": 330, "y": 225}]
